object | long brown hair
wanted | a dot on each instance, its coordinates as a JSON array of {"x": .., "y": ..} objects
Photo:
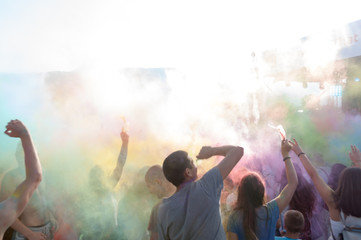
[
  {"x": 250, "y": 196},
  {"x": 348, "y": 193}
]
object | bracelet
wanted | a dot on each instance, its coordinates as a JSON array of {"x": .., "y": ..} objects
[
  {"x": 300, "y": 154},
  {"x": 285, "y": 158}
]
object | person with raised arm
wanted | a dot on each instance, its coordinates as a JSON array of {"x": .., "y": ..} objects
[
  {"x": 12, "y": 207},
  {"x": 252, "y": 219},
  {"x": 102, "y": 221},
  {"x": 122, "y": 157},
  {"x": 37, "y": 221},
  {"x": 344, "y": 203},
  {"x": 192, "y": 212}
]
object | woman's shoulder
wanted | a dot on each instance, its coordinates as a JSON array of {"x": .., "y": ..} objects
[
  {"x": 271, "y": 207},
  {"x": 271, "y": 204}
]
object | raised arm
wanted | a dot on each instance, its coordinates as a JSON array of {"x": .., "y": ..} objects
[
  {"x": 16, "y": 203},
  {"x": 284, "y": 198},
  {"x": 355, "y": 156},
  {"x": 232, "y": 154},
  {"x": 117, "y": 173},
  {"x": 323, "y": 189}
]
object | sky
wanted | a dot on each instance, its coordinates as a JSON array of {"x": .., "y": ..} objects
[{"x": 49, "y": 35}]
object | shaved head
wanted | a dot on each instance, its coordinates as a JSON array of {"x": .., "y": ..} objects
[
  {"x": 157, "y": 183},
  {"x": 154, "y": 172}
]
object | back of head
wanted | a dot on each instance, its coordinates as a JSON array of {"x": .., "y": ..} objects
[
  {"x": 153, "y": 173},
  {"x": 250, "y": 196},
  {"x": 250, "y": 192},
  {"x": 348, "y": 193},
  {"x": 156, "y": 182},
  {"x": 174, "y": 166},
  {"x": 96, "y": 172},
  {"x": 334, "y": 176},
  {"x": 294, "y": 221}
]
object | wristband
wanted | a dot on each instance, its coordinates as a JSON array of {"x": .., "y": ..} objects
[
  {"x": 300, "y": 154},
  {"x": 285, "y": 158}
]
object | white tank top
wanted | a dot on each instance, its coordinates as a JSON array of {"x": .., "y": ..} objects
[{"x": 337, "y": 226}]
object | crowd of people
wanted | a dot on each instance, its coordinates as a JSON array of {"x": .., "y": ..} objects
[{"x": 186, "y": 206}]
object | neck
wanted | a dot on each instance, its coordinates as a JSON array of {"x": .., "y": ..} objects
[
  {"x": 183, "y": 184},
  {"x": 292, "y": 235}
]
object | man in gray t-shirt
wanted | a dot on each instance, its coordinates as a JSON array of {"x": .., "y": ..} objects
[{"x": 192, "y": 212}]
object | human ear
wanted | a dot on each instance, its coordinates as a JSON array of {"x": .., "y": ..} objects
[
  {"x": 188, "y": 172},
  {"x": 158, "y": 181}
]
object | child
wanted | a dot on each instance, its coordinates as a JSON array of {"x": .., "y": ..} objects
[{"x": 294, "y": 224}]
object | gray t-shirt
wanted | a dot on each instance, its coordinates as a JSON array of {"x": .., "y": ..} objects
[{"x": 193, "y": 211}]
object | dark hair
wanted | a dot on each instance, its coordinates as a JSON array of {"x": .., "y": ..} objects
[
  {"x": 250, "y": 196},
  {"x": 96, "y": 173},
  {"x": 174, "y": 166},
  {"x": 334, "y": 176},
  {"x": 348, "y": 193},
  {"x": 303, "y": 200},
  {"x": 294, "y": 221}
]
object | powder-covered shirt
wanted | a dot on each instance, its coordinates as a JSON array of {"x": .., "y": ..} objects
[
  {"x": 193, "y": 212},
  {"x": 267, "y": 217}
]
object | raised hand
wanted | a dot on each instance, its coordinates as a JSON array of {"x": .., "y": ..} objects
[
  {"x": 124, "y": 136},
  {"x": 284, "y": 198},
  {"x": 355, "y": 156},
  {"x": 15, "y": 205},
  {"x": 285, "y": 147},
  {"x": 16, "y": 128},
  {"x": 296, "y": 148},
  {"x": 205, "y": 152}
]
